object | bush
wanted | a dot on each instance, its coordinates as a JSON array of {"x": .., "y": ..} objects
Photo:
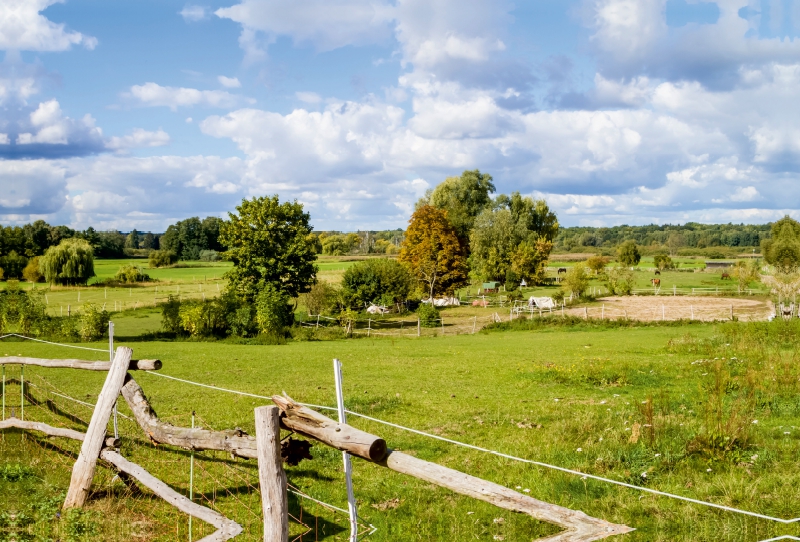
[
  {"x": 31, "y": 272},
  {"x": 428, "y": 315},
  {"x": 170, "y": 315},
  {"x": 374, "y": 280},
  {"x": 242, "y": 321},
  {"x": 663, "y": 261},
  {"x": 209, "y": 256},
  {"x": 273, "y": 312},
  {"x": 93, "y": 322},
  {"x": 321, "y": 298},
  {"x": 131, "y": 274},
  {"x": 576, "y": 280},
  {"x": 620, "y": 280},
  {"x": 204, "y": 318},
  {"x": 161, "y": 258},
  {"x": 597, "y": 263}
]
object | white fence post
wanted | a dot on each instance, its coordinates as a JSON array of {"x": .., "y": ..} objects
[{"x": 348, "y": 472}]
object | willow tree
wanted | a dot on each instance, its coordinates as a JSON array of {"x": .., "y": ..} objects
[
  {"x": 69, "y": 263},
  {"x": 432, "y": 251}
]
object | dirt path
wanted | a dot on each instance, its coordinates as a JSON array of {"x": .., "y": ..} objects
[{"x": 650, "y": 308}]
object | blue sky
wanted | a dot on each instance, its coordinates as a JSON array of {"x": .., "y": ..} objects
[{"x": 138, "y": 113}]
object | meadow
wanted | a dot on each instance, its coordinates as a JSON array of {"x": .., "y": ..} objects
[{"x": 705, "y": 411}]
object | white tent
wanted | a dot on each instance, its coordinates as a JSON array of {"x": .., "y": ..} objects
[
  {"x": 375, "y": 309},
  {"x": 542, "y": 302},
  {"x": 444, "y": 302}
]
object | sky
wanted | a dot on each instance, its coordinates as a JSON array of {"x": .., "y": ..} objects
[{"x": 138, "y": 113}]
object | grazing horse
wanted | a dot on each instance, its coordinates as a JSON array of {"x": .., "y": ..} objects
[
  {"x": 561, "y": 270},
  {"x": 725, "y": 276},
  {"x": 656, "y": 282},
  {"x": 658, "y": 272}
]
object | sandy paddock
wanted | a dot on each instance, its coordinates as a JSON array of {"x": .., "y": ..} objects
[{"x": 663, "y": 307}]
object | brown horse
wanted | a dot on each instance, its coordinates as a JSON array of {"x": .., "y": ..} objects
[
  {"x": 658, "y": 272},
  {"x": 656, "y": 282},
  {"x": 561, "y": 270},
  {"x": 725, "y": 276}
]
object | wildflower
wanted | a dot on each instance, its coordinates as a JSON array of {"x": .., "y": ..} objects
[
  {"x": 603, "y": 402},
  {"x": 708, "y": 470},
  {"x": 556, "y": 400},
  {"x": 470, "y": 513},
  {"x": 644, "y": 475},
  {"x": 600, "y": 439},
  {"x": 519, "y": 487},
  {"x": 658, "y": 455},
  {"x": 755, "y": 421},
  {"x": 526, "y": 490},
  {"x": 579, "y": 450},
  {"x": 499, "y": 520},
  {"x": 786, "y": 433},
  {"x": 754, "y": 457}
]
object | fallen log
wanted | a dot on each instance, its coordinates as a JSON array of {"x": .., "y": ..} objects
[
  {"x": 343, "y": 437},
  {"x": 49, "y": 430},
  {"x": 235, "y": 441},
  {"x": 226, "y": 528},
  {"x": 134, "y": 365}
]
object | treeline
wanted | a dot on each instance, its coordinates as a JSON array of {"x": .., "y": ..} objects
[{"x": 673, "y": 237}]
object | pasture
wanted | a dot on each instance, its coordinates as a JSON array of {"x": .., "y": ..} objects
[{"x": 704, "y": 411}]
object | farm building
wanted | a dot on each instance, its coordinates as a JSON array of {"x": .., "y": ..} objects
[{"x": 718, "y": 265}]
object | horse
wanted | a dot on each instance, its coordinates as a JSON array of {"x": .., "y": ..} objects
[
  {"x": 658, "y": 272},
  {"x": 561, "y": 270},
  {"x": 725, "y": 276},
  {"x": 656, "y": 282}
]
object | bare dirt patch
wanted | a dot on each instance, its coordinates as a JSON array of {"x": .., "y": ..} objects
[{"x": 652, "y": 308}]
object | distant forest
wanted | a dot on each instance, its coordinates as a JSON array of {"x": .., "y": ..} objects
[
  {"x": 676, "y": 239},
  {"x": 188, "y": 238}
]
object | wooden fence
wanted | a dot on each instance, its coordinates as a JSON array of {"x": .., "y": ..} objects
[{"x": 265, "y": 447}]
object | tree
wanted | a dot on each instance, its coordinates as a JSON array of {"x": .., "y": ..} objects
[
  {"x": 268, "y": 243},
  {"x": 273, "y": 312},
  {"x": 675, "y": 241},
  {"x": 13, "y": 264},
  {"x": 783, "y": 249},
  {"x": 210, "y": 227},
  {"x": 620, "y": 280},
  {"x": 517, "y": 234},
  {"x": 463, "y": 198},
  {"x": 161, "y": 258},
  {"x": 149, "y": 241},
  {"x": 31, "y": 272},
  {"x": 628, "y": 254},
  {"x": 70, "y": 263},
  {"x": 597, "y": 263},
  {"x": 132, "y": 241},
  {"x": 377, "y": 280},
  {"x": 433, "y": 253}
]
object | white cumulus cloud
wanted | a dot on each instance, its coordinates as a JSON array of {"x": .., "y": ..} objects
[
  {"x": 23, "y": 28},
  {"x": 139, "y": 138},
  {"x": 155, "y": 95}
]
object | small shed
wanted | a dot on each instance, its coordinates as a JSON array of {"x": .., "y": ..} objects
[
  {"x": 718, "y": 265},
  {"x": 491, "y": 287}
]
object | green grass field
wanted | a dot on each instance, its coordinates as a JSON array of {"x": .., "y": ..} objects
[{"x": 651, "y": 406}]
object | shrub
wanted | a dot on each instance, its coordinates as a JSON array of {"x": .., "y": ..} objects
[
  {"x": 161, "y": 258},
  {"x": 620, "y": 280},
  {"x": 273, "y": 312},
  {"x": 576, "y": 280},
  {"x": 428, "y": 315},
  {"x": 209, "y": 256},
  {"x": 663, "y": 261},
  {"x": 130, "y": 274},
  {"x": 597, "y": 263},
  {"x": 93, "y": 322},
  {"x": 31, "y": 272},
  {"x": 204, "y": 318},
  {"x": 374, "y": 280},
  {"x": 321, "y": 298},
  {"x": 170, "y": 315},
  {"x": 71, "y": 262},
  {"x": 241, "y": 321}
]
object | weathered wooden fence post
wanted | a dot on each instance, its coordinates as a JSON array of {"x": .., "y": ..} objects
[
  {"x": 83, "y": 470},
  {"x": 419, "y": 327},
  {"x": 271, "y": 476}
]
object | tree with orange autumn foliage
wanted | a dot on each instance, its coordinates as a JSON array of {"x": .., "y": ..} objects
[{"x": 433, "y": 253}]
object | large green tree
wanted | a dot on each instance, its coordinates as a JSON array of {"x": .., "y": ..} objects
[
  {"x": 70, "y": 263},
  {"x": 783, "y": 249},
  {"x": 377, "y": 280},
  {"x": 463, "y": 198},
  {"x": 515, "y": 235},
  {"x": 269, "y": 243}
]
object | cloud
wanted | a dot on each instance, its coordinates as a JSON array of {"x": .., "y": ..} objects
[
  {"x": 632, "y": 38},
  {"x": 325, "y": 24},
  {"x": 47, "y": 132},
  {"x": 154, "y": 95},
  {"x": 31, "y": 187},
  {"x": 229, "y": 82},
  {"x": 138, "y": 139},
  {"x": 192, "y": 14},
  {"x": 308, "y": 97},
  {"x": 23, "y": 28}
]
